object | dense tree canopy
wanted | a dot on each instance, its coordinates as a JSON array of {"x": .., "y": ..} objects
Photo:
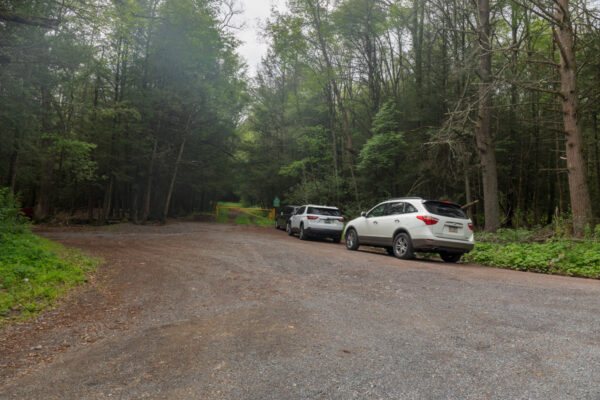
[
  {"x": 140, "y": 108},
  {"x": 455, "y": 99},
  {"x": 124, "y": 108}
]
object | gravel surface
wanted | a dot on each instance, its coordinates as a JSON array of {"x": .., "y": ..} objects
[{"x": 219, "y": 311}]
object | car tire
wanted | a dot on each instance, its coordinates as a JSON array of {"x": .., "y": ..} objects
[
  {"x": 352, "y": 239},
  {"x": 302, "y": 235},
  {"x": 403, "y": 248},
  {"x": 336, "y": 239},
  {"x": 450, "y": 257},
  {"x": 390, "y": 250},
  {"x": 288, "y": 228}
]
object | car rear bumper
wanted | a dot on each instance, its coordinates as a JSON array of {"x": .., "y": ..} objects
[
  {"x": 334, "y": 231},
  {"x": 451, "y": 246}
]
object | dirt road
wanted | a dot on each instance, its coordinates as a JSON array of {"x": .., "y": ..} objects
[{"x": 218, "y": 311}]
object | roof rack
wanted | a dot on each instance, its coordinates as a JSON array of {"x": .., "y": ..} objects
[{"x": 405, "y": 198}]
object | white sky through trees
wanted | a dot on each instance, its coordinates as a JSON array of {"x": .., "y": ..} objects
[{"x": 253, "y": 17}]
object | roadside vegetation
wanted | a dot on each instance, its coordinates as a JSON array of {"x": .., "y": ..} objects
[
  {"x": 539, "y": 250},
  {"x": 34, "y": 272},
  {"x": 225, "y": 215}
]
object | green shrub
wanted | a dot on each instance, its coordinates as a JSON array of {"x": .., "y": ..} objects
[
  {"x": 35, "y": 271},
  {"x": 11, "y": 218},
  {"x": 243, "y": 220},
  {"x": 515, "y": 249},
  {"x": 263, "y": 222}
]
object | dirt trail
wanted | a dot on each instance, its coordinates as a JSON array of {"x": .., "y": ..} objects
[{"x": 223, "y": 311}]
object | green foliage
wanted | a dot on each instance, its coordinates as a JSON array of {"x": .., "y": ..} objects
[
  {"x": 506, "y": 236},
  {"x": 82, "y": 106},
  {"x": 11, "y": 219},
  {"x": 356, "y": 101},
  {"x": 243, "y": 219},
  {"x": 34, "y": 272},
  {"x": 262, "y": 222},
  {"x": 382, "y": 152},
  {"x": 229, "y": 204},
  {"x": 514, "y": 250},
  {"x": 74, "y": 156}
]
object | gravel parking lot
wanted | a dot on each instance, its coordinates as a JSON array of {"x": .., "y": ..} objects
[{"x": 222, "y": 311}]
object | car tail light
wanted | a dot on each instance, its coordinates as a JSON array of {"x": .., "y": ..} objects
[
  {"x": 428, "y": 220},
  {"x": 341, "y": 219},
  {"x": 311, "y": 217},
  {"x": 470, "y": 226}
]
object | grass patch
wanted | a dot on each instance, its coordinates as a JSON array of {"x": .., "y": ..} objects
[
  {"x": 516, "y": 250},
  {"x": 243, "y": 220},
  {"x": 222, "y": 218},
  {"x": 228, "y": 204},
  {"x": 223, "y": 211},
  {"x": 34, "y": 272},
  {"x": 263, "y": 222}
]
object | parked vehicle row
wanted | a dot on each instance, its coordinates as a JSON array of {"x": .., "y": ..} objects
[{"x": 402, "y": 226}]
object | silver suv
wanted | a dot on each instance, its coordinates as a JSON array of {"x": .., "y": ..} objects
[
  {"x": 316, "y": 221},
  {"x": 407, "y": 225}
]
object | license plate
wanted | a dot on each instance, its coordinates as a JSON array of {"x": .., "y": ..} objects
[{"x": 453, "y": 229}]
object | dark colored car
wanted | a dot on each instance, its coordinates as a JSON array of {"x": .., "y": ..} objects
[{"x": 283, "y": 215}]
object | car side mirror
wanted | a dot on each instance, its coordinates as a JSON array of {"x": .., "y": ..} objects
[{"x": 363, "y": 214}]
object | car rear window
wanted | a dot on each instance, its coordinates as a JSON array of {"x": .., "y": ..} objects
[
  {"x": 324, "y": 211},
  {"x": 445, "y": 209}
]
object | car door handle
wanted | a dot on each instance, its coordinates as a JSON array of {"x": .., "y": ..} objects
[
  {"x": 396, "y": 220},
  {"x": 375, "y": 222}
]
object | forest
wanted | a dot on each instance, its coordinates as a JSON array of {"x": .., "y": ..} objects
[{"x": 142, "y": 110}]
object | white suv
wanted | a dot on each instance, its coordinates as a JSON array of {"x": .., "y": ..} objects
[
  {"x": 317, "y": 221},
  {"x": 407, "y": 225}
]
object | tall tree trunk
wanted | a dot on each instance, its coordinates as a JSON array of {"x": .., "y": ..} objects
[
  {"x": 12, "y": 171},
  {"x": 44, "y": 190},
  {"x": 596, "y": 149},
  {"x": 315, "y": 9},
  {"x": 148, "y": 194},
  {"x": 90, "y": 203},
  {"x": 334, "y": 150},
  {"x": 173, "y": 178},
  {"x": 468, "y": 196},
  {"x": 108, "y": 195},
  {"x": 483, "y": 134},
  {"x": 581, "y": 204},
  {"x": 417, "y": 31}
]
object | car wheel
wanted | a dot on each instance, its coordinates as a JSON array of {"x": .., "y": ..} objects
[
  {"x": 288, "y": 228},
  {"x": 336, "y": 239},
  {"x": 450, "y": 257},
  {"x": 351, "y": 239},
  {"x": 302, "y": 235},
  {"x": 403, "y": 246},
  {"x": 390, "y": 250}
]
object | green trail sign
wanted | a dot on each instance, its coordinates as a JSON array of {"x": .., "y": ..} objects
[{"x": 276, "y": 202}]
